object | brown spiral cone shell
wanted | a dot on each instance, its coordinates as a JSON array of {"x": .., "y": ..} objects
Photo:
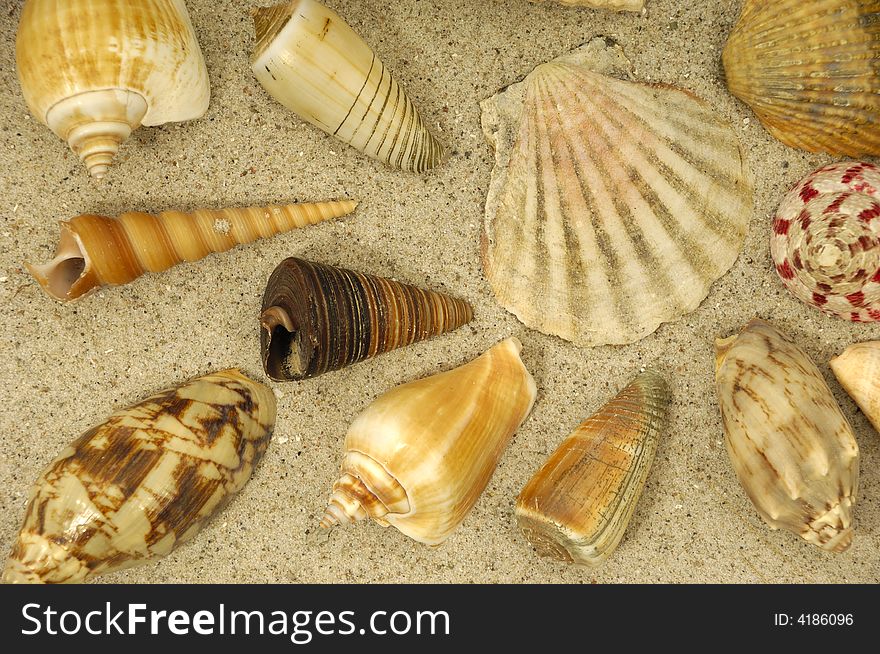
[{"x": 318, "y": 318}]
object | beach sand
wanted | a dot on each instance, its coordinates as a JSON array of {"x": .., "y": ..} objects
[{"x": 64, "y": 368}]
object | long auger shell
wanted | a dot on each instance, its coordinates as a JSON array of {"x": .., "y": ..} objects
[
  {"x": 318, "y": 318},
  {"x": 144, "y": 481}
]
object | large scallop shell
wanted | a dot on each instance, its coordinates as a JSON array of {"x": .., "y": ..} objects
[
  {"x": 790, "y": 445},
  {"x": 318, "y": 318},
  {"x": 825, "y": 240},
  {"x": 613, "y": 205},
  {"x": 144, "y": 481},
  {"x": 95, "y": 250},
  {"x": 578, "y": 505},
  {"x": 808, "y": 69},
  {"x": 858, "y": 371},
  {"x": 420, "y": 456},
  {"x": 95, "y": 70},
  {"x": 313, "y": 63},
  {"x": 616, "y": 5}
]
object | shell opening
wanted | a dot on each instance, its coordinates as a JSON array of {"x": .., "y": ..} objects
[
  {"x": 283, "y": 358},
  {"x": 66, "y": 276}
]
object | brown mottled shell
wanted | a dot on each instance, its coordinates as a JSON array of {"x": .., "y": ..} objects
[
  {"x": 858, "y": 371},
  {"x": 95, "y": 250},
  {"x": 144, "y": 481},
  {"x": 578, "y": 505},
  {"x": 318, "y": 318},
  {"x": 825, "y": 240},
  {"x": 808, "y": 69},
  {"x": 790, "y": 445}
]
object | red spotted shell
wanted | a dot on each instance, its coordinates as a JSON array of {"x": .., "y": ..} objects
[{"x": 826, "y": 240}]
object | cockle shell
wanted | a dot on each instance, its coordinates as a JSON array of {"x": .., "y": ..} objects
[
  {"x": 808, "y": 70},
  {"x": 613, "y": 205},
  {"x": 420, "y": 456},
  {"x": 95, "y": 70},
  {"x": 790, "y": 445},
  {"x": 578, "y": 505},
  {"x": 616, "y": 5},
  {"x": 858, "y": 371},
  {"x": 318, "y": 318},
  {"x": 138, "y": 485},
  {"x": 95, "y": 250},
  {"x": 314, "y": 64},
  {"x": 825, "y": 240}
]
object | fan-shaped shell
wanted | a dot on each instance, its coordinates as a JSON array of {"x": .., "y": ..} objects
[
  {"x": 315, "y": 64},
  {"x": 420, "y": 456},
  {"x": 318, "y": 318},
  {"x": 144, "y": 481},
  {"x": 578, "y": 505},
  {"x": 858, "y": 371},
  {"x": 94, "y": 70},
  {"x": 808, "y": 69},
  {"x": 825, "y": 240},
  {"x": 613, "y": 205},
  {"x": 97, "y": 250},
  {"x": 791, "y": 447}
]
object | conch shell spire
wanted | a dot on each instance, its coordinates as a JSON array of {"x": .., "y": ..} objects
[{"x": 96, "y": 250}]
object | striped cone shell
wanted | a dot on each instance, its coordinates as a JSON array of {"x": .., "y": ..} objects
[
  {"x": 144, "y": 481},
  {"x": 95, "y": 250},
  {"x": 613, "y": 205},
  {"x": 808, "y": 70},
  {"x": 314, "y": 64},
  {"x": 578, "y": 505},
  {"x": 318, "y": 318},
  {"x": 825, "y": 240}
]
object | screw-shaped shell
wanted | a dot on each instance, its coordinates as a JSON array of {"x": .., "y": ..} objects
[
  {"x": 790, "y": 445},
  {"x": 95, "y": 70},
  {"x": 420, "y": 456},
  {"x": 808, "y": 69},
  {"x": 144, "y": 481},
  {"x": 858, "y": 371},
  {"x": 319, "y": 318},
  {"x": 578, "y": 505},
  {"x": 95, "y": 250},
  {"x": 314, "y": 64}
]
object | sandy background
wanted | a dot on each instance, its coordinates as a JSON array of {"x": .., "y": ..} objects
[{"x": 64, "y": 368}]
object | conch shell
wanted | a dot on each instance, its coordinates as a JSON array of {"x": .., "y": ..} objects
[
  {"x": 577, "y": 506},
  {"x": 420, "y": 456},
  {"x": 808, "y": 69},
  {"x": 95, "y": 250},
  {"x": 95, "y": 70},
  {"x": 614, "y": 205},
  {"x": 825, "y": 240},
  {"x": 318, "y": 318},
  {"x": 858, "y": 371},
  {"x": 790, "y": 445},
  {"x": 314, "y": 64},
  {"x": 138, "y": 485},
  {"x": 616, "y": 5}
]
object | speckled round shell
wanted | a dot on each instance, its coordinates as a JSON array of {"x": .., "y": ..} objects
[
  {"x": 808, "y": 69},
  {"x": 825, "y": 240}
]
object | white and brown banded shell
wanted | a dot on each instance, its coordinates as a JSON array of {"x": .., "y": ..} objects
[
  {"x": 825, "y": 240},
  {"x": 791, "y": 447},
  {"x": 317, "y": 318},
  {"x": 144, "y": 481},
  {"x": 93, "y": 71},
  {"x": 96, "y": 251},
  {"x": 312, "y": 62},
  {"x": 420, "y": 456},
  {"x": 808, "y": 69},
  {"x": 577, "y": 506},
  {"x": 613, "y": 205}
]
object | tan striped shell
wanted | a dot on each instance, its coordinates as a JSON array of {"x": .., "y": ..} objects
[
  {"x": 144, "y": 481},
  {"x": 313, "y": 63},
  {"x": 613, "y": 205},
  {"x": 95, "y": 250}
]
